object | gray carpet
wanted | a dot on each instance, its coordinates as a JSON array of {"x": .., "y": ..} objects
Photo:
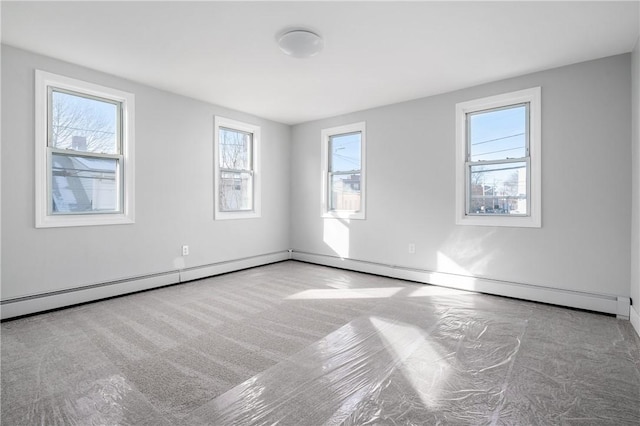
[{"x": 299, "y": 344}]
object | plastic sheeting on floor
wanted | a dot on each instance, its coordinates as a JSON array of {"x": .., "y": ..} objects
[
  {"x": 338, "y": 348},
  {"x": 460, "y": 370},
  {"x": 369, "y": 371}
]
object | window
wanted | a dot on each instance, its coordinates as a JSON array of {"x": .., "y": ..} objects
[
  {"x": 237, "y": 164},
  {"x": 343, "y": 171},
  {"x": 498, "y": 160},
  {"x": 84, "y": 153}
]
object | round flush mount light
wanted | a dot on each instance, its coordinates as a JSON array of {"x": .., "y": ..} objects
[{"x": 300, "y": 43}]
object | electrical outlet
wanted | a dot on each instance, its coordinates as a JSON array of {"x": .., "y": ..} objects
[
  {"x": 185, "y": 250},
  {"x": 412, "y": 248}
]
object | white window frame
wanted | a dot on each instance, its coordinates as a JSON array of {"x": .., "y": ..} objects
[
  {"x": 223, "y": 122},
  {"x": 533, "y": 219},
  {"x": 44, "y": 81},
  {"x": 326, "y": 175}
]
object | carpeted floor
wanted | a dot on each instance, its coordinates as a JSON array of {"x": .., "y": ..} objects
[{"x": 299, "y": 344}]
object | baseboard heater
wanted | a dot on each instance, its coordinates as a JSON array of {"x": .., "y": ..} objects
[
  {"x": 610, "y": 304},
  {"x": 26, "y": 305}
]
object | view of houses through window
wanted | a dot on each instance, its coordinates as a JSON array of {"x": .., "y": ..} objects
[
  {"x": 345, "y": 171},
  {"x": 235, "y": 189},
  {"x": 497, "y": 149},
  {"x": 84, "y": 140}
]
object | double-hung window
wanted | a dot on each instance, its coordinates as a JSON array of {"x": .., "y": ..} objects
[
  {"x": 343, "y": 171},
  {"x": 236, "y": 168},
  {"x": 84, "y": 153},
  {"x": 498, "y": 155}
]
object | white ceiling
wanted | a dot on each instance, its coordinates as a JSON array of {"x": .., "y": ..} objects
[{"x": 376, "y": 53}]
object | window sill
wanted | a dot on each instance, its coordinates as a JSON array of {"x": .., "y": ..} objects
[
  {"x": 237, "y": 215},
  {"x": 83, "y": 220},
  {"x": 506, "y": 221},
  {"x": 344, "y": 215}
]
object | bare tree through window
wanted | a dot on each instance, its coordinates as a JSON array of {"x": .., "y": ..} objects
[
  {"x": 83, "y": 124},
  {"x": 80, "y": 127},
  {"x": 236, "y": 177}
]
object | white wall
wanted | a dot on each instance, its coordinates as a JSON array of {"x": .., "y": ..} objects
[
  {"x": 635, "y": 216},
  {"x": 174, "y": 191},
  {"x": 583, "y": 244}
]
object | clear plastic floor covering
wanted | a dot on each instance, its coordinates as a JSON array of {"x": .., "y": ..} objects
[
  {"x": 295, "y": 344},
  {"x": 463, "y": 366}
]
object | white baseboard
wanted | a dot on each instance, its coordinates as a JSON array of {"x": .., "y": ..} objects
[
  {"x": 634, "y": 317},
  {"x": 610, "y": 304},
  {"x": 43, "y": 302},
  {"x": 204, "y": 271}
]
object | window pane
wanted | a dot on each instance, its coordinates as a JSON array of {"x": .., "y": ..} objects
[
  {"x": 345, "y": 152},
  {"x": 83, "y": 124},
  {"x": 83, "y": 184},
  {"x": 345, "y": 192},
  {"x": 498, "y": 189},
  {"x": 235, "y": 191},
  {"x": 498, "y": 134},
  {"x": 235, "y": 149}
]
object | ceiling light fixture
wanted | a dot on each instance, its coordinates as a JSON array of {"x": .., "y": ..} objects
[{"x": 300, "y": 43}]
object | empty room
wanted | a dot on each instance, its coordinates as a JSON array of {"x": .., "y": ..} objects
[{"x": 320, "y": 213}]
